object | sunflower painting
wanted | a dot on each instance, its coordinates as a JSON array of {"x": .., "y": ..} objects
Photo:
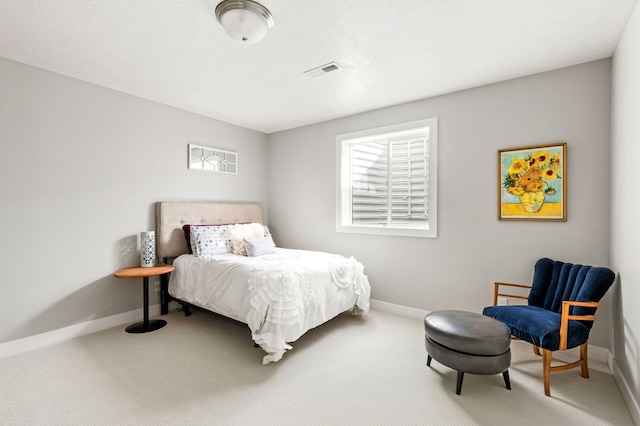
[{"x": 532, "y": 183}]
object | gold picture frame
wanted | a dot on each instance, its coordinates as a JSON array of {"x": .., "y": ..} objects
[{"x": 532, "y": 183}]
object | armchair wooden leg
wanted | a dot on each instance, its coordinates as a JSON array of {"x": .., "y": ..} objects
[
  {"x": 536, "y": 350},
  {"x": 584, "y": 360},
  {"x": 546, "y": 370}
]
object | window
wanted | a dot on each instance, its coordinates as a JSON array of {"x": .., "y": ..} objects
[
  {"x": 212, "y": 159},
  {"x": 387, "y": 180}
]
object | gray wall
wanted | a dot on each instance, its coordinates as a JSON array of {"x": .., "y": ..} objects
[
  {"x": 81, "y": 167},
  {"x": 625, "y": 206},
  {"x": 473, "y": 248}
]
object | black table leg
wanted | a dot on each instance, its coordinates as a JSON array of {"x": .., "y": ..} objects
[
  {"x": 146, "y": 325},
  {"x": 145, "y": 298},
  {"x": 164, "y": 294}
]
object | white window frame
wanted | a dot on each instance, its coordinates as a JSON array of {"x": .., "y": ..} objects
[{"x": 343, "y": 191}]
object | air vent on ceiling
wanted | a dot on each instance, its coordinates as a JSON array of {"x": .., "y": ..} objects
[{"x": 322, "y": 69}]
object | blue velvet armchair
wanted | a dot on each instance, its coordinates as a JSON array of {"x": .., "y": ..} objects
[{"x": 559, "y": 313}]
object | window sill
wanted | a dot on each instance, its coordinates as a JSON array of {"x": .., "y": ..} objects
[{"x": 388, "y": 230}]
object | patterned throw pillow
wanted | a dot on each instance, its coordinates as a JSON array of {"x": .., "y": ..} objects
[
  {"x": 236, "y": 234},
  {"x": 208, "y": 241}
]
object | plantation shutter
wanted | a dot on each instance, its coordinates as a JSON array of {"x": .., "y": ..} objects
[
  {"x": 369, "y": 188},
  {"x": 409, "y": 181},
  {"x": 389, "y": 182}
]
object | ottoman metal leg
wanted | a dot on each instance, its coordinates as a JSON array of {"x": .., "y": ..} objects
[
  {"x": 507, "y": 383},
  {"x": 459, "y": 382},
  {"x": 428, "y": 360},
  {"x": 460, "y": 377}
]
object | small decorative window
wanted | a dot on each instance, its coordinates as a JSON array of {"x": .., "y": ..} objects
[
  {"x": 387, "y": 180},
  {"x": 212, "y": 159}
]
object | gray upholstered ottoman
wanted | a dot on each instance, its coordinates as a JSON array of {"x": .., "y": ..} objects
[{"x": 468, "y": 343}]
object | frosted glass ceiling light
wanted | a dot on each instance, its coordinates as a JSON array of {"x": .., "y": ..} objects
[{"x": 244, "y": 20}]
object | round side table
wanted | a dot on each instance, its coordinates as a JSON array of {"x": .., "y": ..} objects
[{"x": 146, "y": 325}]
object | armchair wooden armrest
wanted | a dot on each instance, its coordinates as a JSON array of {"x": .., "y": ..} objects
[
  {"x": 496, "y": 291},
  {"x": 566, "y": 316}
]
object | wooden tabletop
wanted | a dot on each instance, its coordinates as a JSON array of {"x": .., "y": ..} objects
[{"x": 140, "y": 272}]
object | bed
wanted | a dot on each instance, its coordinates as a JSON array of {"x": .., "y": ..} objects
[{"x": 226, "y": 263}]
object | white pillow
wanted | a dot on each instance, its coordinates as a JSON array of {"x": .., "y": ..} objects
[
  {"x": 260, "y": 246},
  {"x": 236, "y": 234},
  {"x": 209, "y": 240}
]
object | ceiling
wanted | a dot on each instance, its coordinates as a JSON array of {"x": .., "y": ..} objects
[{"x": 392, "y": 51}]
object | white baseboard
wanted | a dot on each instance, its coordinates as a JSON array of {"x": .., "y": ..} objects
[
  {"x": 627, "y": 393},
  {"x": 400, "y": 310},
  {"x": 56, "y": 336},
  {"x": 60, "y": 335},
  {"x": 596, "y": 353}
]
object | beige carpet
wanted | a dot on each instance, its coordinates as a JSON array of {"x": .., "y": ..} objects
[{"x": 204, "y": 370}]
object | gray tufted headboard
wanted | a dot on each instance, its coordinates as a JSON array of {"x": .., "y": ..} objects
[{"x": 171, "y": 216}]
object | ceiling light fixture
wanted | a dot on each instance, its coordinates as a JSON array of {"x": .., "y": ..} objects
[{"x": 244, "y": 20}]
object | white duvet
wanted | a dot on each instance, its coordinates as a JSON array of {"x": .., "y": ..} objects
[{"x": 279, "y": 296}]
